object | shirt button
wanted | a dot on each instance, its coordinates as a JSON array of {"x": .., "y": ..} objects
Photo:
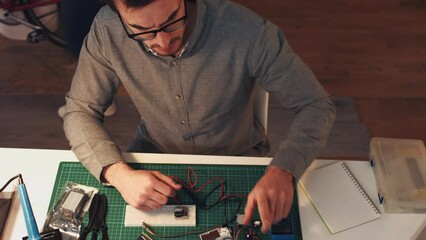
[
  {"x": 183, "y": 122},
  {"x": 177, "y": 96}
]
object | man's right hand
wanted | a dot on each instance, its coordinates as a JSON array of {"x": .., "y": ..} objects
[{"x": 141, "y": 189}]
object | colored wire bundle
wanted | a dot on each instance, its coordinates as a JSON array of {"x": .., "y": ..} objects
[
  {"x": 249, "y": 232},
  {"x": 191, "y": 190},
  {"x": 197, "y": 231}
]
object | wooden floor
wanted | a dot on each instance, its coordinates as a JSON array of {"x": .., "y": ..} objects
[{"x": 374, "y": 51}]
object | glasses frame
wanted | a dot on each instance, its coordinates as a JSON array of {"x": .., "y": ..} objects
[{"x": 137, "y": 37}]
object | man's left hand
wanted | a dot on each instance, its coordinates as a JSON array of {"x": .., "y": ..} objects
[{"x": 273, "y": 195}]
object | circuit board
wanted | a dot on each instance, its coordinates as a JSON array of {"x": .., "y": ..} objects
[{"x": 239, "y": 181}]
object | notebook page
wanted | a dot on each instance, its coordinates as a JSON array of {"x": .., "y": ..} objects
[{"x": 338, "y": 198}]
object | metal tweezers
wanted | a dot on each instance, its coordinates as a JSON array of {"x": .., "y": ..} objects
[{"x": 97, "y": 216}]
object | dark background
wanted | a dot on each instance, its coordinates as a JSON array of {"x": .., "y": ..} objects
[{"x": 369, "y": 55}]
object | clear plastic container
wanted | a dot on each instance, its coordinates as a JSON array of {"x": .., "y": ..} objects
[{"x": 399, "y": 167}]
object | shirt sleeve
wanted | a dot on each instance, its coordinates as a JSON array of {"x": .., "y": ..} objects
[
  {"x": 93, "y": 87},
  {"x": 282, "y": 73}
]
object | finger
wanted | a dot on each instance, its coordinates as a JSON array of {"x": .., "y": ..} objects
[
  {"x": 288, "y": 203},
  {"x": 248, "y": 211},
  {"x": 264, "y": 212},
  {"x": 145, "y": 209},
  {"x": 158, "y": 197},
  {"x": 149, "y": 205},
  {"x": 164, "y": 187},
  {"x": 168, "y": 180},
  {"x": 279, "y": 209},
  {"x": 272, "y": 200},
  {"x": 150, "y": 200}
]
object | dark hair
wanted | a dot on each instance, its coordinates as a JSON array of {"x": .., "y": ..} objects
[{"x": 128, "y": 3}]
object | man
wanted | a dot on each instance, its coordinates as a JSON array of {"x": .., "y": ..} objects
[{"x": 190, "y": 67}]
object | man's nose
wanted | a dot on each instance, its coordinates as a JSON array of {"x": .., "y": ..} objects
[{"x": 163, "y": 39}]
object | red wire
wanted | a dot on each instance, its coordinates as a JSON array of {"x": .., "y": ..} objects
[{"x": 191, "y": 173}]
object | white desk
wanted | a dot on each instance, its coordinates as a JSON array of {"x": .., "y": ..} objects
[
  {"x": 387, "y": 227},
  {"x": 39, "y": 167}
]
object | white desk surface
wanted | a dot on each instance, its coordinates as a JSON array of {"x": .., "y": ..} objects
[{"x": 38, "y": 168}]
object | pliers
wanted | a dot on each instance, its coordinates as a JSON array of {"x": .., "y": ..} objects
[{"x": 97, "y": 214}]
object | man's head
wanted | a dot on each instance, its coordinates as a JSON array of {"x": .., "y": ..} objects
[
  {"x": 128, "y": 3},
  {"x": 160, "y": 24}
]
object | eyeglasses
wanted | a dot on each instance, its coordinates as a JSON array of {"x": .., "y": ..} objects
[{"x": 143, "y": 36}]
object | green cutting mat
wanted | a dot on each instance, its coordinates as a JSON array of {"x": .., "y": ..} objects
[{"x": 239, "y": 179}]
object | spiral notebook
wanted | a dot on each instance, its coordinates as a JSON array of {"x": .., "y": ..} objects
[{"x": 338, "y": 198}]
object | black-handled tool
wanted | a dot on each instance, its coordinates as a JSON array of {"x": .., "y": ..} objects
[
  {"x": 103, "y": 208},
  {"x": 94, "y": 205},
  {"x": 97, "y": 216}
]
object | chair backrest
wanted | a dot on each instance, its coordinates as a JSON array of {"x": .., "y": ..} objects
[{"x": 261, "y": 102}]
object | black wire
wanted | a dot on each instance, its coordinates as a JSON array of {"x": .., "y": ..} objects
[
  {"x": 8, "y": 182},
  {"x": 194, "y": 198},
  {"x": 234, "y": 214},
  {"x": 207, "y": 207},
  {"x": 203, "y": 204}
]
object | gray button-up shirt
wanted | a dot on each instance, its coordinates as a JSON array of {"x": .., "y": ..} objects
[{"x": 201, "y": 102}]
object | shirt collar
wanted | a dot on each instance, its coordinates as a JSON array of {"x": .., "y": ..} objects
[{"x": 150, "y": 50}]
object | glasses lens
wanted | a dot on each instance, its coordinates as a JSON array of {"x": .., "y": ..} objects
[
  {"x": 144, "y": 36},
  {"x": 175, "y": 26},
  {"x": 168, "y": 29}
]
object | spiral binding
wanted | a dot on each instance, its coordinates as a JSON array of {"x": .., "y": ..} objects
[{"x": 360, "y": 189}]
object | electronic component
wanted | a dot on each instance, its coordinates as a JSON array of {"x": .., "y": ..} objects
[
  {"x": 240, "y": 219},
  {"x": 257, "y": 223},
  {"x": 283, "y": 230},
  {"x": 70, "y": 206},
  {"x": 181, "y": 212},
  {"x": 210, "y": 235},
  {"x": 167, "y": 215},
  {"x": 69, "y": 210},
  {"x": 73, "y": 203},
  {"x": 217, "y": 234}
]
